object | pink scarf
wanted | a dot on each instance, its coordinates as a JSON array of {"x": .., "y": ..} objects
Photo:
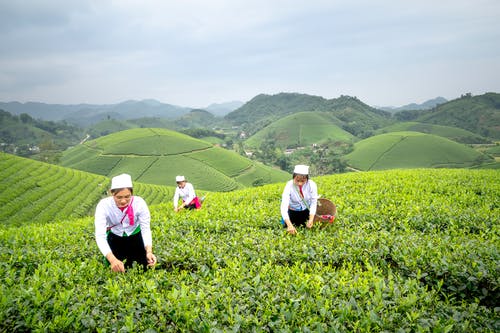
[{"x": 130, "y": 212}]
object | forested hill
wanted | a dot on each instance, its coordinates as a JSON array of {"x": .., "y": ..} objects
[
  {"x": 21, "y": 134},
  {"x": 478, "y": 114},
  {"x": 264, "y": 109},
  {"x": 275, "y": 106}
]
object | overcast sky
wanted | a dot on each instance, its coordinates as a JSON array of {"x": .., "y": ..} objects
[{"x": 194, "y": 53}]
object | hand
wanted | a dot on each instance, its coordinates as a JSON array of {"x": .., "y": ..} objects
[
  {"x": 291, "y": 230},
  {"x": 117, "y": 266},
  {"x": 310, "y": 224},
  {"x": 151, "y": 259}
]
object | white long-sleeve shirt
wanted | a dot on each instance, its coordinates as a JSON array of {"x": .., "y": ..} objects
[
  {"x": 107, "y": 214},
  {"x": 187, "y": 194},
  {"x": 291, "y": 198}
]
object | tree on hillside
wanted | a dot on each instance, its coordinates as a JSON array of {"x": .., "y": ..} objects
[
  {"x": 203, "y": 132},
  {"x": 327, "y": 160},
  {"x": 268, "y": 152},
  {"x": 284, "y": 162},
  {"x": 25, "y": 118},
  {"x": 324, "y": 159}
]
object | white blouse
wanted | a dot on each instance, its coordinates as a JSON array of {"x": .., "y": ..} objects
[
  {"x": 107, "y": 214},
  {"x": 291, "y": 198},
  {"x": 187, "y": 194}
]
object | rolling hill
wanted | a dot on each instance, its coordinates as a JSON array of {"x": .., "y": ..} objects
[
  {"x": 197, "y": 119},
  {"x": 453, "y": 133},
  {"x": 412, "y": 150},
  {"x": 302, "y": 129},
  {"x": 156, "y": 156},
  {"x": 357, "y": 118},
  {"x": 109, "y": 126},
  {"x": 191, "y": 120},
  {"x": 478, "y": 114}
]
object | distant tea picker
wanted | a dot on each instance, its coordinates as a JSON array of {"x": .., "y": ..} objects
[
  {"x": 185, "y": 191},
  {"x": 122, "y": 227}
]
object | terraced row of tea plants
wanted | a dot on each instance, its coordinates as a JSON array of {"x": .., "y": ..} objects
[
  {"x": 36, "y": 192},
  {"x": 413, "y": 149},
  {"x": 156, "y": 156},
  {"x": 302, "y": 129},
  {"x": 410, "y": 251}
]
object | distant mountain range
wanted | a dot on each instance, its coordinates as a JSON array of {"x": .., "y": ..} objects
[
  {"x": 84, "y": 115},
  {"x": 414, "y": 106},
  {"x": 221, "y": 109}
]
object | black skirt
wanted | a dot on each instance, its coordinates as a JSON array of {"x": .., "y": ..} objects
[
  {"x": 298, "y": 218},
  {"x": 128, "y": 248}
]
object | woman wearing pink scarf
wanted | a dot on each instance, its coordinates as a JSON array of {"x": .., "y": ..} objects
[
  {"x": 122, "y": 227},
  {"x": 299, "y": 200}
]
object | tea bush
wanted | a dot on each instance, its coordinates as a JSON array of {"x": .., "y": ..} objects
[{"x": 410, "y": 251}]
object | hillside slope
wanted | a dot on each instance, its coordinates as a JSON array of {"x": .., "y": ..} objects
[
  {"x": 412, "y": 150},
  {"x": 302, "y": 129},
  {"x": 156, "y": 156},
  {"x": 357, "y": 118},
  {"x": 478, "y": 114},
  {"x": 453, "y": 133},
  {"x": 37, "y": 192}
]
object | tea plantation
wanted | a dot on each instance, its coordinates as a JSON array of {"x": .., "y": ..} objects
[
  {"x": 410, "y": 251},
  {"x": 156, "y": 156}
]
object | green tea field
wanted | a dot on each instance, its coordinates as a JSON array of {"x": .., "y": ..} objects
[
  {"x": 156, "y": 156},
  {"x": 36, "y": 192},
  {"x": 452, "y": 133},
  {"x": 410, "y": 251},
  {"x": 410, "y": 149},
  {"x": 312, "y": 128}
]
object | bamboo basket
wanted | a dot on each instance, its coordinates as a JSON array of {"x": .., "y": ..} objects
[{"x": 325, "y": 213}]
